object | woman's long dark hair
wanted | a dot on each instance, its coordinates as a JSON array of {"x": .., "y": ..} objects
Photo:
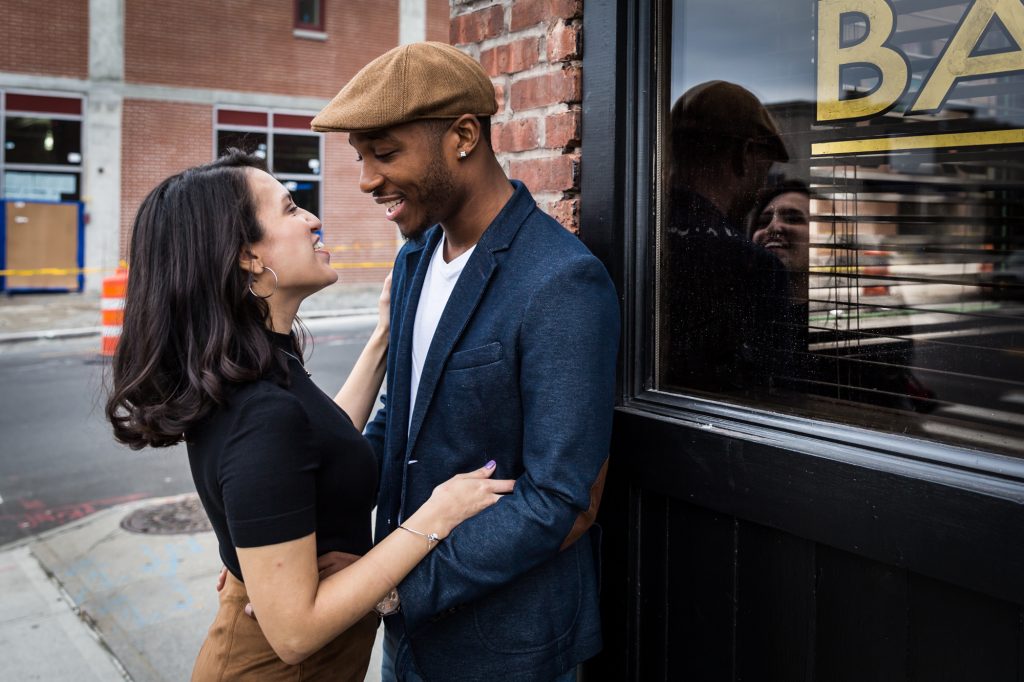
[{"x": 191, "y": 325}]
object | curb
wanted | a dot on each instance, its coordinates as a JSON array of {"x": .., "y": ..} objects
[
  {"x": 52, "y": 334},
  {"x": 72, "y": 526},
  {"x": 48, "y": 334},
  {"x": 89, "y": 647},
  {"x": 84, "y": 618},
  {"x": 340, "y": 312}
]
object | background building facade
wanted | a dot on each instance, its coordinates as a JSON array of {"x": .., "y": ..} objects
[{"x": 102, "y": 99}]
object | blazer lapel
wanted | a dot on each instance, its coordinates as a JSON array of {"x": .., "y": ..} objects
[
  {"x": 398, "y": 402},
  {"x": 460, "y": 307}
]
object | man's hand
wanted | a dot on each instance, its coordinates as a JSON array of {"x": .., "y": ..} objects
[
  {"x": 327, "y": 564},
  {"x": 332, "y": 562}
]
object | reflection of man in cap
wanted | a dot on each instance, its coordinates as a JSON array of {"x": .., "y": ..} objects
[
  {"x": 503, "y": 342},
  {"x": 721, "y": 295},
  {"x": 723, "y": 144}
]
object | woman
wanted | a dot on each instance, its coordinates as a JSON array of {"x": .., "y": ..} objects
[
  {"x": 220, "y": 259},
  {"x": 781, "y": 224}
]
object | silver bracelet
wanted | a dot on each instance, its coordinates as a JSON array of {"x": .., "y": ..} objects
[{"x": 432, "y": 538}]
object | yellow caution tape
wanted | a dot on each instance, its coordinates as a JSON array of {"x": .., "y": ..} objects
[
  {"x": 360, "y": 246},
  {"x": 52, "y": 271}
]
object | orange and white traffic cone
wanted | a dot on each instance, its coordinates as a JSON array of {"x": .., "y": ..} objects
[{"x": 112, "y": 309}]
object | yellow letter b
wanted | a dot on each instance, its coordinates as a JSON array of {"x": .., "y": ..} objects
[{"x": 893, "y": 71}]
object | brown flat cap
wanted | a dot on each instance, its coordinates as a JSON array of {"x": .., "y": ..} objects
[
  {"x": 409, "y": 83},
  {"x": 723, "y": 108}
]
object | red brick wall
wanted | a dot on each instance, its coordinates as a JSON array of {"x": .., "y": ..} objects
[
  {"x": 157, "y": 140},
  {"x": 160, "y": 138},
  {"x": 248, "y": 44},
  {"x": 49, "y": 38},
  {"x": 532, "y": 51}
]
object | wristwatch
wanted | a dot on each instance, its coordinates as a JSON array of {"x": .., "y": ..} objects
[{"x": 390, "y": 604}]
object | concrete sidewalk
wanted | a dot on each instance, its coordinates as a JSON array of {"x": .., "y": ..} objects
[
  {"x": 93, "y": 601},
  {"x": 29, "y": 317}
]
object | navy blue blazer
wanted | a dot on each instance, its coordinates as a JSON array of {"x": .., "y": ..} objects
[{"x": 521, "y": 370}]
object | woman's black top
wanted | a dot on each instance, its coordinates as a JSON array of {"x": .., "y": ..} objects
[{"x": 278, "y": 463}]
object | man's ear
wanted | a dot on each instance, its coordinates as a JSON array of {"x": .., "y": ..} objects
[{"x": 467, "y": 132}]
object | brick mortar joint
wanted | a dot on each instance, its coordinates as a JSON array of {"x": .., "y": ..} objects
[
  {"x": 541, "y": 154},
  {"x": 511, "y": 37},
  {"x": 552, "y": 109},
  {"x": 459, "y": 9},
  {"x": 545, "y": 68}
]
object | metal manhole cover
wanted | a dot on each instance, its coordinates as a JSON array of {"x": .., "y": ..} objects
[{"x": 184, "y": 516}]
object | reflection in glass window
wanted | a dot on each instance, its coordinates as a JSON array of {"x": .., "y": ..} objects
[
  {"x": 250, "y": 142},
  {"x": 843, "y": 213},
  {"x": 305, "y": 194},
  {"x": 42, "y": 140},
  {"x": 308, "y": 14},
  {"x": 297, "y": 154}
]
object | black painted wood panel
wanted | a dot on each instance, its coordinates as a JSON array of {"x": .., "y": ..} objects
[
  {"x": 651, "y": 585},
  {"x": 960, "y": 536},
  {"x": 861, "y": 618},
  {"x": 716, "y": 598},
  {"x": 959, "y": 635},
  {"x": 775, "y": 605},
  {"x": 701, "y": 594}
]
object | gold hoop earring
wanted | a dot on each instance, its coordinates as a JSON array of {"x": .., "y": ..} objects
[{"x": 252, "y": 281}]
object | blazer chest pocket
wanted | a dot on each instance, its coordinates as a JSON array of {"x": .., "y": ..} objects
[{"x": 474, "y": 357}]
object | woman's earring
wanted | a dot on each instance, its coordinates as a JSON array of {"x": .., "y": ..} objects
[
  {"x": 463, "y": 153},
  {"x": 276, "y": 281}
]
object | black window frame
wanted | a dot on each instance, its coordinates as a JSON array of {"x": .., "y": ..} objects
[
  {"x": 617, "y": 211},
  {"x": 688, "y": 446}
]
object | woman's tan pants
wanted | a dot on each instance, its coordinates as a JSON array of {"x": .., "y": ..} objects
[{"x": 235, "y": 648}]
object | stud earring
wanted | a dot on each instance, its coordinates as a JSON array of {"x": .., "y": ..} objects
[{"x": 463, "y": 153}]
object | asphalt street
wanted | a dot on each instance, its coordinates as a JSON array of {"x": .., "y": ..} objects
[{"x": 58, "y": 458}]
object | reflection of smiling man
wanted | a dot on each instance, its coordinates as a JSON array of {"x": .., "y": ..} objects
[{"x": 503, "y": 343}]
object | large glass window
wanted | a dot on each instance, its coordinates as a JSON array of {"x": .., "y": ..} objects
[
  {"x": 841, "y": 230},
  {"x": 41, "y": 156},
  {"x": 297, "y": 154},
  {"x": 42, "y": 140},
  {"x": 250, "y": 142},
  {"x": 292, "y": 152}
]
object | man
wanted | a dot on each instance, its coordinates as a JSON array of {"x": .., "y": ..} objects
[
  {"x": 504, "y": 336},
  {"x": 725, "y": 325}
]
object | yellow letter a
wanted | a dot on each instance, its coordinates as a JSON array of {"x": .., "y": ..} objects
[{"x": 957, "y": 62}]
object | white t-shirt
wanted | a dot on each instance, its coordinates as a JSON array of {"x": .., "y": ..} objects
[{"x": 437, "y": 288}]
